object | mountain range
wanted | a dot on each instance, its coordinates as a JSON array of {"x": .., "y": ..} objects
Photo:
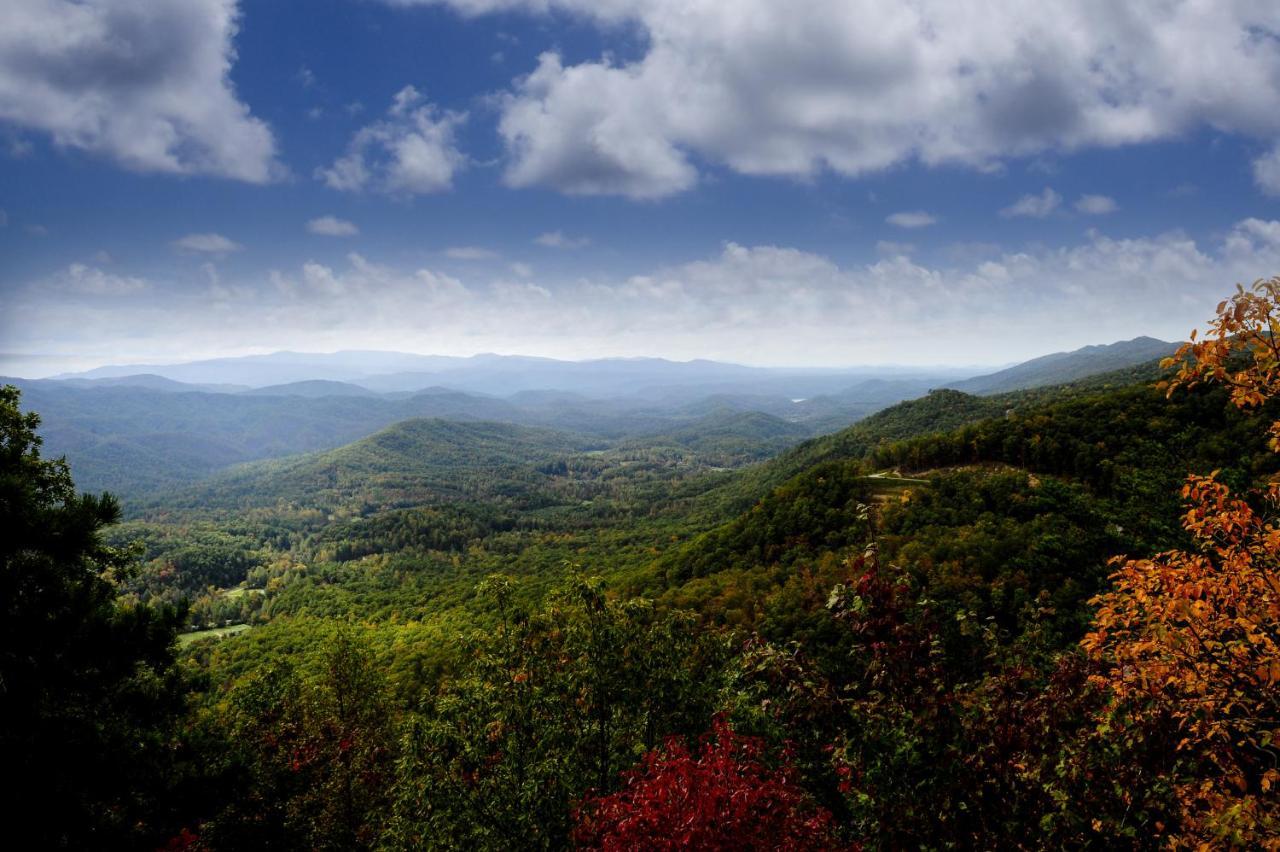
[{"x": 138, "y": 430}]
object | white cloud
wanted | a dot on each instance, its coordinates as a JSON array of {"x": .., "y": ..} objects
[
  {"x": 563, "y": 128},
  {"x": 1266, "y": 171},
  {"x": 857, "y": 86},
  {"x": 413, "y": 151},
  {"x": 1034, "y": 206},
  {"x": 145, "y": 83},
  {"x": 331, "y": 226},
  {"x": 95, "y": 282},
  {"x": 207, "y": 244},
  {"x": 744, "y": 303},
  {"x": 558, "y": 240},
  {"x": 469, "y": 253},
  {"x": 1096, "y": 205},
  {"x": 911, "y": 219}
]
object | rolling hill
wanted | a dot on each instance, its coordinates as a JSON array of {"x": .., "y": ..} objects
[{"x": 414, "y": 462}]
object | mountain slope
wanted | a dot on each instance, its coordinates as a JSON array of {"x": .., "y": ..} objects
[
  {"x": 939, "y": 411},
  {"x": 1063, "y": 367},
  {"x": 729, "y": 438},
  {"x": 1016, "y": 514},
  {"x": 414, "y": 462}
]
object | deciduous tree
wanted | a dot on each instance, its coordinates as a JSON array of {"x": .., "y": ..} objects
[{"x": 1191, "y": 639}]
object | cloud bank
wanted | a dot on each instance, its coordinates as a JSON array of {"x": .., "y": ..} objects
[{"x": 756, "y": 304}]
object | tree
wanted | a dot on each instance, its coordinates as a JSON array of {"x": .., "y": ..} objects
[
  {"x": 551, "y": 704},
  {"x": 88, "y": 687},
  {"x": 724, "y": 797},
  {"x": 318, "y": 744},
  {"x": 1191, "y": 639}
]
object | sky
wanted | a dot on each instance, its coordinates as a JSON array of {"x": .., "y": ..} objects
[{"x": 774, "y": 182}]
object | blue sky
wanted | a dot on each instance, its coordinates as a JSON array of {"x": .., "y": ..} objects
[{"x": 782, "y": 183}]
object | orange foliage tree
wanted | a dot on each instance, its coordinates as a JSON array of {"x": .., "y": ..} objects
[{"x": 1192, "y": 639}]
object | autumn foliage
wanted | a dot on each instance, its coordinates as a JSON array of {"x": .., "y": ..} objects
[
  {"x": 724, "y": 796},
  {"x": 1190, "y": 640}
]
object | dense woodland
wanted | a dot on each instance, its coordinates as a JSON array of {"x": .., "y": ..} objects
[{"x": 1002, "y": 621}]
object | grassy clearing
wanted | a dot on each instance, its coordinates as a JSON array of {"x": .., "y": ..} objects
[
  {"x": 241, "y": 591},
  {"x": 186, "y": 639}
]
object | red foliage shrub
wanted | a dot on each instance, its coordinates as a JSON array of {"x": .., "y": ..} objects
[{"x": 723, "y": 797}]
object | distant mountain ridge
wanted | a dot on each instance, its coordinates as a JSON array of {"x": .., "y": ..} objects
[
  {"x": 504, "y": 375},
  {"x": 151, "y": 381},
  {"x": 1061, "y": 367},
  {"x": 818, "y": 390},
  {"x": 313, "y": 389}
]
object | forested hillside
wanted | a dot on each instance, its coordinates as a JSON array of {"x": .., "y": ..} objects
[{"x": 456, "y": 633}]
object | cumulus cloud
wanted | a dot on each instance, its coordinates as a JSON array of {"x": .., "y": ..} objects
[
  {"x": 558, "y": 240},
  {"x": 1096, "y": 205},
  {"x": 856, "y": 86},
  {"x": 332, "y": 226},
  {"x": 1034, "y": 206},
  {"x": 207, "y": 244},
  {"x": 469, "y": 253},
  {"x": 412, "y": 151},
  {"x": 563, "y": 128},
  {"x": 142, "y": 82},
  {"x": 750, "y": 303},
  {"x": 911, "y": 219}
]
